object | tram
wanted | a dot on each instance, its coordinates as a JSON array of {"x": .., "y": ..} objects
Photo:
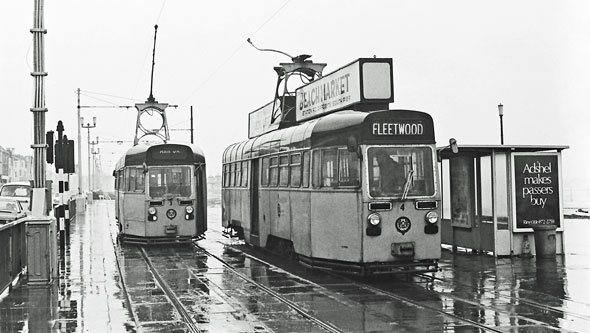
[
  {"x": 161, "y": 194},
  {"x": 354, "y": 189}
]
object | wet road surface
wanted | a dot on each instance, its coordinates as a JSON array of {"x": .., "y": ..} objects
[{"x": 225, "y": 286}]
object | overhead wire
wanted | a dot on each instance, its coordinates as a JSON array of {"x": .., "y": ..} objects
[{"x": 227, "y": 60}]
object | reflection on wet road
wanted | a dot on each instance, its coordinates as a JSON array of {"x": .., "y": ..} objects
[{"x": 225, "y": 286}]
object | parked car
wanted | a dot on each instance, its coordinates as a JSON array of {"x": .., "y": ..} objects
[
  {"x": 19, "y": 190},
  {"x": 10, "y": 210}
]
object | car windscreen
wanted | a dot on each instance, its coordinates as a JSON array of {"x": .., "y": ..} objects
[{"x": 15, "y": 191}]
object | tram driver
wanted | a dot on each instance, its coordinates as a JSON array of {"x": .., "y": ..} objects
[{"x": 391, "y": 173}]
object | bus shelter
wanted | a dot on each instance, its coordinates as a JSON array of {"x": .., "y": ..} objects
[{"x": 495, "y": 196}]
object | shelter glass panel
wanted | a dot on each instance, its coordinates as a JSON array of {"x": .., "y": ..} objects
[
  {"x": 502, "y": 197},
  {"x": 487, "y": 208}
]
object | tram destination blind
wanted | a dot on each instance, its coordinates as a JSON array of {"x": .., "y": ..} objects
[{"x": 536, "y": 179}]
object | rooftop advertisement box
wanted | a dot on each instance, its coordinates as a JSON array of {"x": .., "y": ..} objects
[
  {"x": 366, "y": 80},
  {"x": 259, "y": 121}
]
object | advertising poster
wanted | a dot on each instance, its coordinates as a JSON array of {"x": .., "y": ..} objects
[{"x": 536, "y": 180}]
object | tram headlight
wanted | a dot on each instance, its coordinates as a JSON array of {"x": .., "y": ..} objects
[
  {"x": 431, "y": 217},
  {"x": 189, "y": 210},
  {"x": 152, "y": 214},
  {"x": 374, "y": 219}
]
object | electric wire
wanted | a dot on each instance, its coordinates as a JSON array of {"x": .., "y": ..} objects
[{"x": 228, "y": 59}]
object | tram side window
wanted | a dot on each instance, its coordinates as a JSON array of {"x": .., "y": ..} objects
[
  {"x": 226, "y": 175},
  {"x": 305, "y": 175},
  {"x": 284, "y": 170},
  {"x": 264, "y": 171},
  {"x": 335, "y": 168},
  {"x": 135, "y": 180},
  {"x": 329, "y": 168},
  {"x": 245, "y": 173},
  {"x": 295, "y": 170},
  {"x": 274, "y": 171},
  {"x": 348, "y": 168},
  {"x": 232, "y": 174},
  {"x": 238, "y": 171},
  {"x": 120, "y": 182}
]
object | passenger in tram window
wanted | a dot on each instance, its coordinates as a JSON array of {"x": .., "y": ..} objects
[{"x": 391, "y": 173}]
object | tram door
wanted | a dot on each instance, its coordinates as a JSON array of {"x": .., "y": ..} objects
[{"x": 254, "y": 218}]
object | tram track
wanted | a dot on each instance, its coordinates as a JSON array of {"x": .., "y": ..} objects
[
  {"x": 180, "y": 308},
  {"x": 448, "y": 297},
  {"x": 185, "y": 313},
  {"x": 376, "y": 290},
  {"x": 300, "y": 310}
]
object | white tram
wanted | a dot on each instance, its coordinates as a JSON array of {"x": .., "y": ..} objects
[
  {"x": 161, "y": 194},
  {"x": 354, "y": 191},
  {"x": 342, "y": 182}
]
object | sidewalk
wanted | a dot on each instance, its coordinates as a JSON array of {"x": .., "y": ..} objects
[{"x": 87, "y": 296}]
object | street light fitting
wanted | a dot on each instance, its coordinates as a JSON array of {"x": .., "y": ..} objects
[{"x": 500, "y": 109}]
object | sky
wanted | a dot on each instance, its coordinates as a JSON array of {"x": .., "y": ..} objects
[{"x": 455, "y": 59}]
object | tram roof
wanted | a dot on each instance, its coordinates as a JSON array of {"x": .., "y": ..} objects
[
  {"x": 137, "y": 154},
  {"x": 333, "y": 129}
]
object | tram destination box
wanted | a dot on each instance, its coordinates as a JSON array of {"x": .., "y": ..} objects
[{"x": 364, "y": 81}]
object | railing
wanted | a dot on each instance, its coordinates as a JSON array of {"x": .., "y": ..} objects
[{"x": 13, "y": 252}]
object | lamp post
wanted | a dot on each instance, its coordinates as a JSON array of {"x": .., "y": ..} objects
[
  {"x": 92, "y": 177},
  {"x": 88, "y": 126},
  {"x": 501, "y": 114}
]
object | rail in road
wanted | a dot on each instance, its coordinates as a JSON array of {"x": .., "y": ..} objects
[{"x": 224, "y": 285}]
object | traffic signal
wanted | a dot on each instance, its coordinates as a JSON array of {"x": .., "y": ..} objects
[
  {"x": 49, "y": 152},
  {"x": 68, "y": 156}
]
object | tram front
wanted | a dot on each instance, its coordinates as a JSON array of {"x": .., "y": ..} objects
[{"x": 401, "y": 192}]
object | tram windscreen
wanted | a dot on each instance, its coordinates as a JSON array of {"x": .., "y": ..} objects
[
  {"x": 395, "y": 170},
  {"x": 169, "y": 181}
]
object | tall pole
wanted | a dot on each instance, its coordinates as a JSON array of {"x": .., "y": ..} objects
[
  {"x": 89, "y": 126},
  {"x": 39, "y": 145},
  {"x": 92, "y": 177},
  {"x": 79, "y": 147},
  {"x": 192, "y": 137},
  {"x": 501, "y": 114}
]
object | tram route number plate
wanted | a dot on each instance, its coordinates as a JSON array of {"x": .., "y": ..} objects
[{"x": 405, "y": 249}]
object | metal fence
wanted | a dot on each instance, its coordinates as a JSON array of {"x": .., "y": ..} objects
[{"x": 13, "y": 252}]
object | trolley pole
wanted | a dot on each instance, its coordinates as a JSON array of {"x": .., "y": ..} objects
[
  {"x": 39, "y": 145},
  {"x": 88, "y": 126}
]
